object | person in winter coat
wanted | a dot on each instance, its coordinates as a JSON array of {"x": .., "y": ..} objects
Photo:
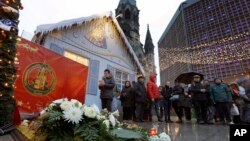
[
  {"x": 210, "y": 106},
  {"x": 154, "y": 96},
  {"x": 133, "y": 108},
  {"x": 238, "y": 101},
  {"x": 179, "y": 103},
  {"x": 187, "y": 103},
  {"x": 106, "y": 85},
  {"x": 166, "y": 93},
  {"x": 127, "y": 100},
  {"x": 242, "y": 82},
  {"x": 221, "y": 96},
  {"x": 247, "y": 105},
  {"x": 199, "y": 98},
  {"x": 140, "y": 98}
]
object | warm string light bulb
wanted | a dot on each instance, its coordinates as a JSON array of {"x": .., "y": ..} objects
[{"x": 6, "y": 84}]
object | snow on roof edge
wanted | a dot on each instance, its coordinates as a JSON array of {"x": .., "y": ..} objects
[{"x": 46, "y": 28}]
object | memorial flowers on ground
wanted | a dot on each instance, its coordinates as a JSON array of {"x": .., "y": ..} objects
[{"x": 70, "y": 120}]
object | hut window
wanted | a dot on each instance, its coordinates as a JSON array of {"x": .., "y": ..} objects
[
  {"x": 120, "y": 78},
  {"x": 75, "y": 57}
]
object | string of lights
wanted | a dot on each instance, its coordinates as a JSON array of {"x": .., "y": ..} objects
[
  {"x": 9, "y": 14},
  {"x": 221, "y": 51}
]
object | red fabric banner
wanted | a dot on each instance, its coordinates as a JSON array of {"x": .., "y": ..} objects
[{"x": 44, "y": 76}]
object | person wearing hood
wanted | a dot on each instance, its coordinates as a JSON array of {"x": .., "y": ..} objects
[
  {"x": 154, "y": 96},
  {"x": 127, "y": 100},
  {"x": 106, "y": 85},
  {"x": 221, "y": 96}
]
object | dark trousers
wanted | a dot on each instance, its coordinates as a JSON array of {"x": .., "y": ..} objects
[
  {"x": 166, "y": 106},
  {"x": 127, "y": 113},
  {"x": 201, "y": 110},
  {"x": 223, "y": 109},
  {"x": 139, "y": 110},
  {"x": 133, "y": 113},
  {"x": 187, "y": 113},
  {"x": 155, "y": 106},
  {"x": 178, "y": 110},
  {"x": 107, "y": 103}
]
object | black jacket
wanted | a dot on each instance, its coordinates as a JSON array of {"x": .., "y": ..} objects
[
  {"x": 127, "y": 97},
  {"x": 166, "y": 92},
  {"x": 107, "y": 89},
  {"x": 195, "y": 90},
  {"x": 140, "y": 93},
  {"x": 178, "y": 90}
]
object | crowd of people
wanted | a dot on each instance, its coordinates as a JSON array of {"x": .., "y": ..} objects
[{"x": 208, "y": 102}]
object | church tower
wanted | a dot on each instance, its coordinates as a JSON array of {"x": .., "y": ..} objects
[
  {"x": 128, "y": 17},
  {"x": 149, "y": 51}
]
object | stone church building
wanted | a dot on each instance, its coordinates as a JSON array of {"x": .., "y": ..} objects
[{"x": 127, "y": 14}]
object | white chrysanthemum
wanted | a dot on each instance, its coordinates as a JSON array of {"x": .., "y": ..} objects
[
  {"x": 164, "y": 137},
  {"x": 100, "y": 117},
  {"x": 73, "y": 115},
  {"x": 106, "y": 122},
  {"x": 59, "y": 101},
  {"x": 112, "y": 120},
  {"x": 76, "y": 103},
  {"x": 116, "y": 113},
  {"x": 66, "y": 105},
  {"x": 96, "y": 109},
  {"x": 90, "y": 112}
]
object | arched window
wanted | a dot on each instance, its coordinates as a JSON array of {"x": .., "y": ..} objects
[{"x": 127, "y": 14}]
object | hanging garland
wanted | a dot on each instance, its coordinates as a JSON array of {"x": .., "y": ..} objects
[{"x": 8, "y": 36}]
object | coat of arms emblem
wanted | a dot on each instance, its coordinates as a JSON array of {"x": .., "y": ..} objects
[{"x": 39, "y": 79}]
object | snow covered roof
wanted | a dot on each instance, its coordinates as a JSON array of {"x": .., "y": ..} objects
[{"x": 46, "y": 28}]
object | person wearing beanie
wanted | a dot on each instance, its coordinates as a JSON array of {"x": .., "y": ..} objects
[{"x": 140, "y": 98}]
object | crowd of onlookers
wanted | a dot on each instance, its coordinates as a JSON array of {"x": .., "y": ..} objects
[{"x": 209, "y": 102}]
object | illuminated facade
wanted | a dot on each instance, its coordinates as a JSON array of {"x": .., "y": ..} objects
[{"x": 207, "y": 36}]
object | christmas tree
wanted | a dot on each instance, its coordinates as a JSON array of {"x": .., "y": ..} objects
[{"x": 9, "y": 14}]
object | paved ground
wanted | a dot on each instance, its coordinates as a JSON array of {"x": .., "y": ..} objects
[
  {"x": 193, "y": 132},
  {"x": 6, "y": 138},
  {"x": 182, "y": 132}
]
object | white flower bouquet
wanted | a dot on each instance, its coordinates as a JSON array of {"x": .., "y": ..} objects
[{"x": 70, "y": 120}]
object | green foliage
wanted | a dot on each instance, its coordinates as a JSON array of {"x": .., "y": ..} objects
[{"x": 7, "y": 66}]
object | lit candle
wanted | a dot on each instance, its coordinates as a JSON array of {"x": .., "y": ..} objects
[{"x": 153, "y": 132}]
